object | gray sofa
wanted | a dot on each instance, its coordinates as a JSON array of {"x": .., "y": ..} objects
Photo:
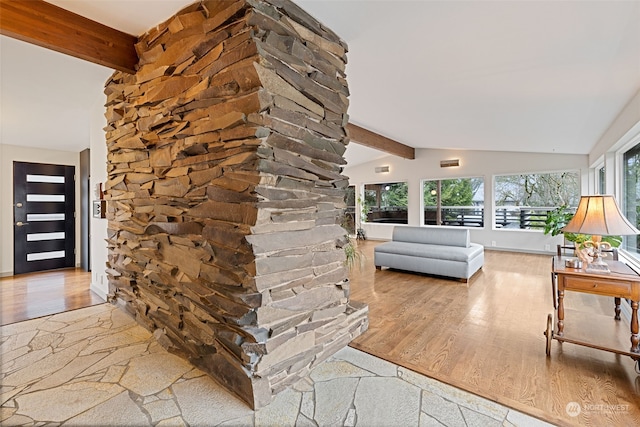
[{"x": 442, "y": 251}]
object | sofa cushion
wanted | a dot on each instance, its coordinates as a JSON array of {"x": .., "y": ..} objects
[
  {"x": 450, "y": 253},
  {"x": 433, "y": 236}
]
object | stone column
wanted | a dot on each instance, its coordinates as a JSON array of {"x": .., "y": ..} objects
[{"x": 225, "y": 192}]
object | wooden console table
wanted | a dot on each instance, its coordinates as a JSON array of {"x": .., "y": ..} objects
[{"x": 621, "y": 282}]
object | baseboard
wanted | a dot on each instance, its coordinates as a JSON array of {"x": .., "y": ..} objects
[
  {"x": 6, "y": 274},
  {"x": 98, "y": 291},
  {"x": 524, "y": 251}
]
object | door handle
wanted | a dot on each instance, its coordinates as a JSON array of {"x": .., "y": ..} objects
[{"x": 20, "y": 223}]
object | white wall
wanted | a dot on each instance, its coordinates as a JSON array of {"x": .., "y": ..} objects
[
  {"x": 98, "y": 174},
  {"x": 622, "y": 130},
  {"x": 472, "y": 164},
  {"x": 9, "y": 154}
]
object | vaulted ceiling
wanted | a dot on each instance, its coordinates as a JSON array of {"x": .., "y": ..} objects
[{"x": 538, "y": 76}]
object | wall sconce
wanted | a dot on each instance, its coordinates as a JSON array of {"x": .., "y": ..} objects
[
  {"x": 382, "y": 169},
  {"x": 449, "y": 163}
]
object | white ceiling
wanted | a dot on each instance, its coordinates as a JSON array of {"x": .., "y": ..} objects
[{"x": 534, "y": 76}]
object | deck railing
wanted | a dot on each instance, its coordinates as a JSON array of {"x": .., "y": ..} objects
[
  {"x": 511, "y": 217},
  {"x": 461, "y": 216},
  {"x": 521, "y": 217}
]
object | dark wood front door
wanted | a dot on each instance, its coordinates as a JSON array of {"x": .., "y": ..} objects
[{"x": 44, "y": 217}]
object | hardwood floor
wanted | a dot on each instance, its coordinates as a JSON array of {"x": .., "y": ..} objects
[
  {"x": 27, "y": 296},
  {"x": 487, "y": 338},
  {"x": 484, "y": 337}
]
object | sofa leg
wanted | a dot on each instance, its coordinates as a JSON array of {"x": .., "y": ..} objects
[{"x": 378, "y": 267}]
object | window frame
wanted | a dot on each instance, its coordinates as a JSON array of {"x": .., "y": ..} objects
[
  {"x": 634, "y": 144},
  {"x": 361, "y": 198},
  {"x": 494, "y": 205},
  {"x": 484, "y": 201}
]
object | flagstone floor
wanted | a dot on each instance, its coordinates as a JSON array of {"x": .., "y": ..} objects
[{"x": 96, "y": 367}]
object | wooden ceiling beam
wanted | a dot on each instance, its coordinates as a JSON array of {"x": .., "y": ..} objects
[
  {"x": 52, "y": 27},
  {"x": 370, "y": 139},
  {"x": 55, "y": 28}
]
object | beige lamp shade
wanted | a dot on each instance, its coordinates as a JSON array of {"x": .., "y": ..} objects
[{"x": 599, "y": 215}]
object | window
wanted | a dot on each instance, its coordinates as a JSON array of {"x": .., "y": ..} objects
[
  {"x": 456, "y": 202},
  {"x": 386, "y": 203},
  {"x": 631, "y": 196},
  {"x": 349, "y": 220},
  {"x": 602, "y": 181},
  {"x": 522, "y": 201}
]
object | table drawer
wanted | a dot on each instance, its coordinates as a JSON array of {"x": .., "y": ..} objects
[{"x": 616, "y": 288}]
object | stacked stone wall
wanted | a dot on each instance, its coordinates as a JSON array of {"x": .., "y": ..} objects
[{"x": 225, "y": 192}]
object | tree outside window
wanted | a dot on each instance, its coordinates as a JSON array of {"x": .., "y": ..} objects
[
  {"x": 456, "y": 202},
  {"x": 386, "y": 202},
  {"x": 523, "y": 200}
]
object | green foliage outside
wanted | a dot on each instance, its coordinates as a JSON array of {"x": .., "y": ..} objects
[
  {"x": 560, "y": 217},
  {"x": 454, "y": 192},
  {"x": 393, "y": 194},
  {"x": 364, "y": 208}
]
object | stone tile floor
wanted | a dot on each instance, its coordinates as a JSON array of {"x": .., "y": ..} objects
[{"x": 96, "y": 367}]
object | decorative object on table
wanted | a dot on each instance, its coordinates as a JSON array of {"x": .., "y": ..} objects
[
  {"x": 573, "y": 263},
  {"x": 585, "y": 255},
  {"x": 598, "y": 216}
]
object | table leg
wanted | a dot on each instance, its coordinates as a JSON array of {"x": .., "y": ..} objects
[
  {"x": 617, "y": 301},
  {"x": 554, "y": 290},
  {"x": 560, "y": 313},
  {"x": 634, "y": 327}
]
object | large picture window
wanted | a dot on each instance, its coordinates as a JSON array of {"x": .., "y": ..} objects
[
  {"x": 455, "y": 202},
  {"x": 631, "y": 197},
  {"x": 386, "y": 203},
  {"x": 523, "y": 201}
]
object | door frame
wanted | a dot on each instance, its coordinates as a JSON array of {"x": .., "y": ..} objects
[{"x": 20, "y": 233}]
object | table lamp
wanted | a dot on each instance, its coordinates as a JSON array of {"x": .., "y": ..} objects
[{"x": 599, "y": 216}]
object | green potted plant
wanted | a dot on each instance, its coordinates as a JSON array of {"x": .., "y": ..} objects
[
  {"x": 559, "y": 217},
  {"x": 353, "y": 254},
  {"x": 364, "y": 212}
]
